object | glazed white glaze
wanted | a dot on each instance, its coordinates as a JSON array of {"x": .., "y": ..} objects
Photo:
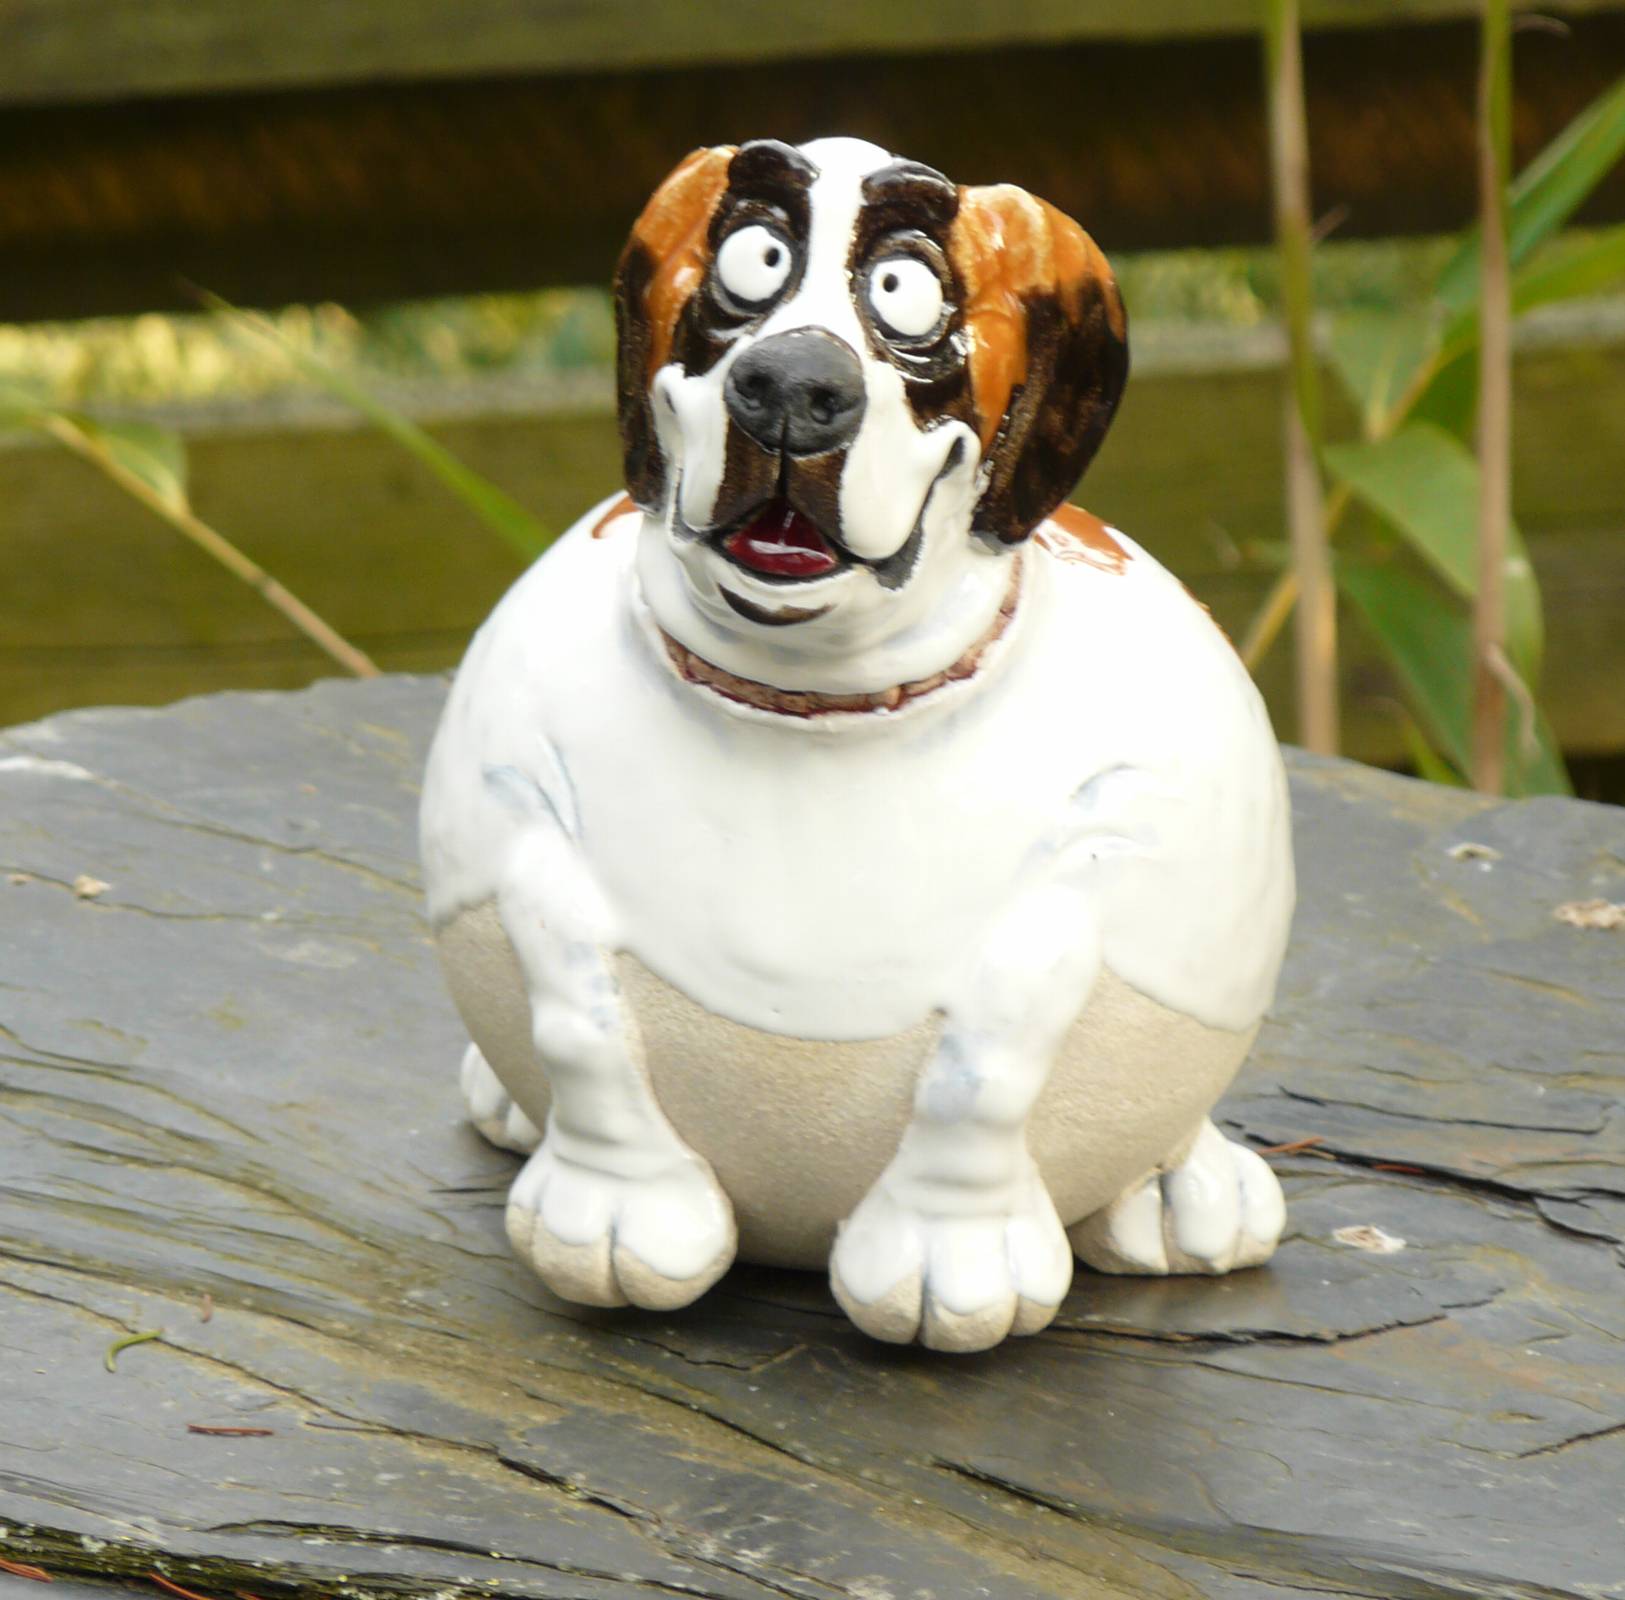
[{"x": 830, "y": 878}]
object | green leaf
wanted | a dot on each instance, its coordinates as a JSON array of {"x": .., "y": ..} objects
[
  {"x": 1545, "y": 194},
  {"x": 1428, "y": 762},
  {"x": 1424, "y": 483},
  {"x": 1427, "y": 641},
  {"x": 1430, "y": 643},
  {"x": 157, "y": 456},
  {"x": 497, "y": 510},
  {"x": 1593, "y": 263},
  {"x": 1376, "y": 356},
  {"x": 1450, "y": 398}
]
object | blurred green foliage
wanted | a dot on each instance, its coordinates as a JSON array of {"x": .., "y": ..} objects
[
  {"x": 558, "y": 334},
  {"x": 1412, "y": 375},
  {"x": 565, "y": 336}
]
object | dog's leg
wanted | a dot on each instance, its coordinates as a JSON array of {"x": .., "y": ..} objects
[
  {"x": 958, "y": 1244},
  {"x": 1215, "y": 1208},
  {"x": 491, "y": 1109},
  {"x": 612, "y": 1207}
]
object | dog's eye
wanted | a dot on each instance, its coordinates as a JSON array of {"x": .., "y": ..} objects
[
  {"x": 753, "y": 264},
  {"x": 906, "y": 295}
]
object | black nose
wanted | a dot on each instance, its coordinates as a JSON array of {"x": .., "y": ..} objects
[{"x": 799, "y": 392}]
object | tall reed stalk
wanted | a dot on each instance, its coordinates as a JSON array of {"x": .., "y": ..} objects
[
  {"x": 1490, "y": 669},
  {"x": 1315, "y": 620}
]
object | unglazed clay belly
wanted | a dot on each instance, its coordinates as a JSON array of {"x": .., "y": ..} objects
[{"x": 797, "y": 1131}]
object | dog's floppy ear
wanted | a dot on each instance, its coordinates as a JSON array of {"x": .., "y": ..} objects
[
  {"x": 664, "y": 262},
  {"x": 1047, "y": 347}
]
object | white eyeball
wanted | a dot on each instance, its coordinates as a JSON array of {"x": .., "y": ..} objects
[
  {"x": 906, "y": 295},
  {"x": 753, "y": 264}
]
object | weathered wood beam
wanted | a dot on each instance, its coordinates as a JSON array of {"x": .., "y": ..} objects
[
  {"x": 60, "y": 51},
  {"x": 392, "y": 190}
]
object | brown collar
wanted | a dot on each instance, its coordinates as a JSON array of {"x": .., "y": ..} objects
[{"x": 814, "y": 703}]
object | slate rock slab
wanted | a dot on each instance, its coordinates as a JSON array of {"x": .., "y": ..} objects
[{"x": 228, "y": 1114}]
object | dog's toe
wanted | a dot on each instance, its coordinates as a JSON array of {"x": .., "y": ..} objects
[
  {"x": 1219, "y": 1210},
  {"x": 658, "y": 1241},
  {"x": 956, "y": 1283}
]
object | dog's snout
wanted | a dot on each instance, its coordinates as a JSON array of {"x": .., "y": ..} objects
[{"x": 799, "y": 392}]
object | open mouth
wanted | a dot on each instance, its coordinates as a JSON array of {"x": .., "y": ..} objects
[{"x": 781, "y": 542}]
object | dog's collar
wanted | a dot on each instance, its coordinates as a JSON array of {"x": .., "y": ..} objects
[{"x": 814, "y": 703}]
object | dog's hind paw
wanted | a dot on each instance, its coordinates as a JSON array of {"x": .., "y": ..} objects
[
  {"x": 491, "y": 1108},
  {"x": 958, "y": 1283},
  {"x": 1219, "y": 1210},
  {"x": 598, "y": 1239}
]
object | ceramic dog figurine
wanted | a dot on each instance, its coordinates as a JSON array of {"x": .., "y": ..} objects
[{"x": 849, "y": 854}]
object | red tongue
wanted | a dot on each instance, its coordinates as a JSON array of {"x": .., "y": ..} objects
[{"x": 783, "y": 543}]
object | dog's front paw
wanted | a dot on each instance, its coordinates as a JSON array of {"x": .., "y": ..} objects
[
  {"x": 1219, "y": 1209},
  {"x": 657, "y": 1241},
  {"x": 952, "y": 1282}
]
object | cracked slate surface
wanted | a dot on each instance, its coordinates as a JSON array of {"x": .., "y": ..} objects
[{"x": 232, "y": 1075}]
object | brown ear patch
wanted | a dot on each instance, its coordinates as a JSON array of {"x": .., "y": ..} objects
[
  {"x": 672, "y": 229},
  {"x": 1047, "y": 350},
  {"x": 1082, "y": 538},
  {"x": 664, "y": 262}
]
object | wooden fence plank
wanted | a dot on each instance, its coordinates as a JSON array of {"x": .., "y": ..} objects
[
  {"x": 106, "y": 604},
  {"x": 390, "y": 190}
]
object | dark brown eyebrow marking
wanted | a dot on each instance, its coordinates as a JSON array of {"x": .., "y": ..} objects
[
  {"x": 769, "y": 168},
  {"x": 912, "y": 192}
]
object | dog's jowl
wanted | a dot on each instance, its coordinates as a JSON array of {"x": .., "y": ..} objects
[{"x": 843, "y": 853}]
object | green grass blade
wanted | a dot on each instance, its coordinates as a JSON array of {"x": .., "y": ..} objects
[
  {"x": 1566, "y": 270},
  {"x": 496, "y": 509},
  {"x": 1545, "y": 194},
  {"x": 157, "y": 456},
  {"x": 1591, "y": 264}
]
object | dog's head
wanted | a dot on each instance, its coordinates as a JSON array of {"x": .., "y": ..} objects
[{"x": 849, "y": 390}]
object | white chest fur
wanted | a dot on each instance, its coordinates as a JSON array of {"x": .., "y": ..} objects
[{"x": 828, "y": 877}]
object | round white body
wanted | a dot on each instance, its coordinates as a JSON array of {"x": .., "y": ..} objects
[{"x": 794, "y": 901}]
